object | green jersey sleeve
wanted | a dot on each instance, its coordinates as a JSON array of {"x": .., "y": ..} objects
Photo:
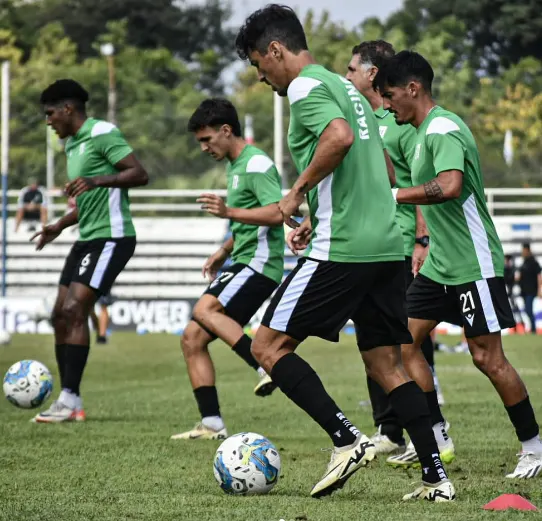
[
  {"x": 110, "y": 142},
  {"x": 444, "y": 142},
  {"x": 316, "y": 109},
  {"x": 265, "y": 180}
]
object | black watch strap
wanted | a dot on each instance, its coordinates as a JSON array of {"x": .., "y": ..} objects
[{"x": 424, "y": 241}]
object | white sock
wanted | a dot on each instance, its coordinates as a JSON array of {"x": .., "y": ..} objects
[
  {"x": 532, "y": 445},
  {"x": 79, "y": 404},
  {"x": 261, "y": 372},
  {"x": 213, "y": 422},
  {"x": 68, "y": 398},
  {"x": 441, "y": 437}
]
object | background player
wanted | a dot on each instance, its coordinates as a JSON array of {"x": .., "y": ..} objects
[
  {"x": 462, "y": 277},
  {"x": 101, "y": 168},
  {"x": 256, "y": 248},
  {"x": 399, "y": 142},
  {"x": 354, "y": 266}
]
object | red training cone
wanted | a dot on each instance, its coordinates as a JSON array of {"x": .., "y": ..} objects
[{"x": 506, "y": 501}]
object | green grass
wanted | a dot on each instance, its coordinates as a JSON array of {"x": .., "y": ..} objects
[{"x": 121, "y": 465}]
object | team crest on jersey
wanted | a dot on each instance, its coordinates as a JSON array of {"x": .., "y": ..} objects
[
  {"x": 417, "y": 151},
  {"x": 383, "y": 131},
  {"x": 235, "y": 182}
]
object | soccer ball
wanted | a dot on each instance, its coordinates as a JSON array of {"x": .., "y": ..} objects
[
  {"x": 27, "y": 384},
  {"x": 247, "y": 463},
  {"x": 5, "y": 338}
]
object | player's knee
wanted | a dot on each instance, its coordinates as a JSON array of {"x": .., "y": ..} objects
[
  {"x": 73, "y": 313},
  {"x": 58, "y": 320},
  {"x": 191, "y": 344},
  {"x": 491, "y": 364},
  {"x": 258, "y": 349}
]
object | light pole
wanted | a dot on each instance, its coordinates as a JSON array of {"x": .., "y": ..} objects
[{"x": 108, "y": 50}]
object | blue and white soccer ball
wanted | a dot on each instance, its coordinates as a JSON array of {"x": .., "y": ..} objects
[
  {"x": 247, "y": 463},
  {"x": 27, "y": 384}
]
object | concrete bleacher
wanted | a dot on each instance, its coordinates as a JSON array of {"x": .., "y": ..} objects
[{"x": 170, "y": 253}]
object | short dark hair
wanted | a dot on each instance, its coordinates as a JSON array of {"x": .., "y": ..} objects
[
  {"x": 375, "y": 52},
  {"x": 215, "y": 112},
  {"x": 272, "y": 22},
  {"x": 526, "y": 245},
  {"x": 65, "y": 90},
  {"x": 402, "y": 68}
]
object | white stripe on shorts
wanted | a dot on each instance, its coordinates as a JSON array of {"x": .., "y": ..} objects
[
  {"x": 235, "y": 284},
  {"x": 487, "y": 305},
  {"x": 102, "y": 264},
  {"x": 290, "y": 297}
]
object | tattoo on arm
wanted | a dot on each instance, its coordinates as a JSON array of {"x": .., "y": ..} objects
[
  {"x": 433, "y": 191},
  {"x": 304, "y": 188}
]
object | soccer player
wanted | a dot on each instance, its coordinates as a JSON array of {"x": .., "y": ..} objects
[
  {"x": 101, "y": 169},
  {"x": 256, "y": 247},
  {"x": 399, "y": 142},
  {"x": 462, "y": 277},
  {"x": 354, "y": 265}
]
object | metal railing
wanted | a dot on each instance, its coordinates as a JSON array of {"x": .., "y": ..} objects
[{"x": 500, "y": 201}]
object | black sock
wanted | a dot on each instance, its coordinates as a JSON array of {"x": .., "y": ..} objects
[
  {"x": 75, "y": 360},
  {"x": 428, "y": 350},
  {"x": 207, "y": 399},
  {"x": 60, "y": 353},
  {"x": 434, "y": 407},
  {"x": 411, "y": 406},
  {"x": 297, "y": 380},
  {"x": 523, "y": 418},
  {"x": 384, "y": 416},
  {"x": 242, "y": 348}
]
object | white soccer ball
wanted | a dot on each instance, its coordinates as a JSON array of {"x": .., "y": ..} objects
[
  {"x": 5, "y": 338},
  {"x": 247, "y": 463},
  {"x": 27, "y": 384}
]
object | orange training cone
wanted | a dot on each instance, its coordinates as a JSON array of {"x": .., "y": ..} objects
[{"x": 506, "y": 501}]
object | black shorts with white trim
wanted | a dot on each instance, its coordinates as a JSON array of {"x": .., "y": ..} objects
[
  {"x": 319, "y": 297},
  {"x": 242, "y": 291},
  {"x": 97, "y": 263},
  {"x": 481, "y": 306}
]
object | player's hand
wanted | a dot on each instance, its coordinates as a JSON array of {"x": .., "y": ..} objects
[
  {"x": 418, "y": 258},
  {"x": 214, "y": 205},
  {"x": 213, "y": 264},
  {"x": 289, "y": 206},
  {"x": 299, "y": 238},
  {"x": 46, "y": 235},
  {"x": 79, "y": 186}
]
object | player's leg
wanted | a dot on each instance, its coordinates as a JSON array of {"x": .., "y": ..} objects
[
  {"x": 427, "y": 304},
  {"x": 228, "y": 305},
  {"x": 59, "y": 326},
  {"x": 381, "y": 327},
  {"x": 486, "y": 310},
  {"x": 103, "y": 324},
  {"x": 316, "y": 299},
  {"x": 201, "y": 371}
]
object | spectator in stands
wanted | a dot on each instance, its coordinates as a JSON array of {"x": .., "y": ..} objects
[
  {"x": 530, "y": 283},
  {"x": 31, "y": 206},
  {"x": 510, "y": 282}
]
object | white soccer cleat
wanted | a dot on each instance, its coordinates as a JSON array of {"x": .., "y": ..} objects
[
  {"x": 201, "y": 432},
  {"x": 57, "y": 413},
  {"x": 529, "y": 466},
  {"x": 440, "y": 492},
  {"x": 383, "y": 445},
  {"x": 344, "y": 462},
  {"x": 409, "y": 458},
  {"x": 265, "y": 386}
]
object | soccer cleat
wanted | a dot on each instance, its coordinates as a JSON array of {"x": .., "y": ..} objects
[
  {"x": 265, "y": 386},
  {"x": 409, "y": 458},
  {"x": 343, "y": 463},
  {"x": 440, "y": 492},
  {"x": 101, "y": 339},
  {"x": 201, "y": 432},
  {"x": 57, "y": 413},
  {"x": 80, "y": 415},
  {"x": 529, "y": 466},
  {"x": 383, "y": 445}
]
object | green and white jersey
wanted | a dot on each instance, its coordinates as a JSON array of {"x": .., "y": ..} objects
[
  {"x": 253, "y": 182},
  {"x": 464, "y": 243},
  {"x": 399, "y": 141},
  {"x": 104, "y": 213},
  {"x": 352, "y": 211}
]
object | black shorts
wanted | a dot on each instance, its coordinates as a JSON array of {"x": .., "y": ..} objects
[
  {"x": 241, "y": 291},
  {"x": 97, "y": 263},
  {"x": 319, "y": 297},
  {"x": 481, "y": 307}
]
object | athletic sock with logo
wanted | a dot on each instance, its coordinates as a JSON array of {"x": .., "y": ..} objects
[
  {"x": 242, "y": 349},
  {"x": 297, "y": 380}
]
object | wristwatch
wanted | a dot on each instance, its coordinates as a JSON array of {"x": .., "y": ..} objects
[{"x": 424, "y": 241}]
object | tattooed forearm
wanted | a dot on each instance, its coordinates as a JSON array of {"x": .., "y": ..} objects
[
  {"x": 433, "y": 191},
  {"x": 304, "y": 188}
]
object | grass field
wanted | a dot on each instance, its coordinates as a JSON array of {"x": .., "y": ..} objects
[{"x": 121, "y": 465}]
